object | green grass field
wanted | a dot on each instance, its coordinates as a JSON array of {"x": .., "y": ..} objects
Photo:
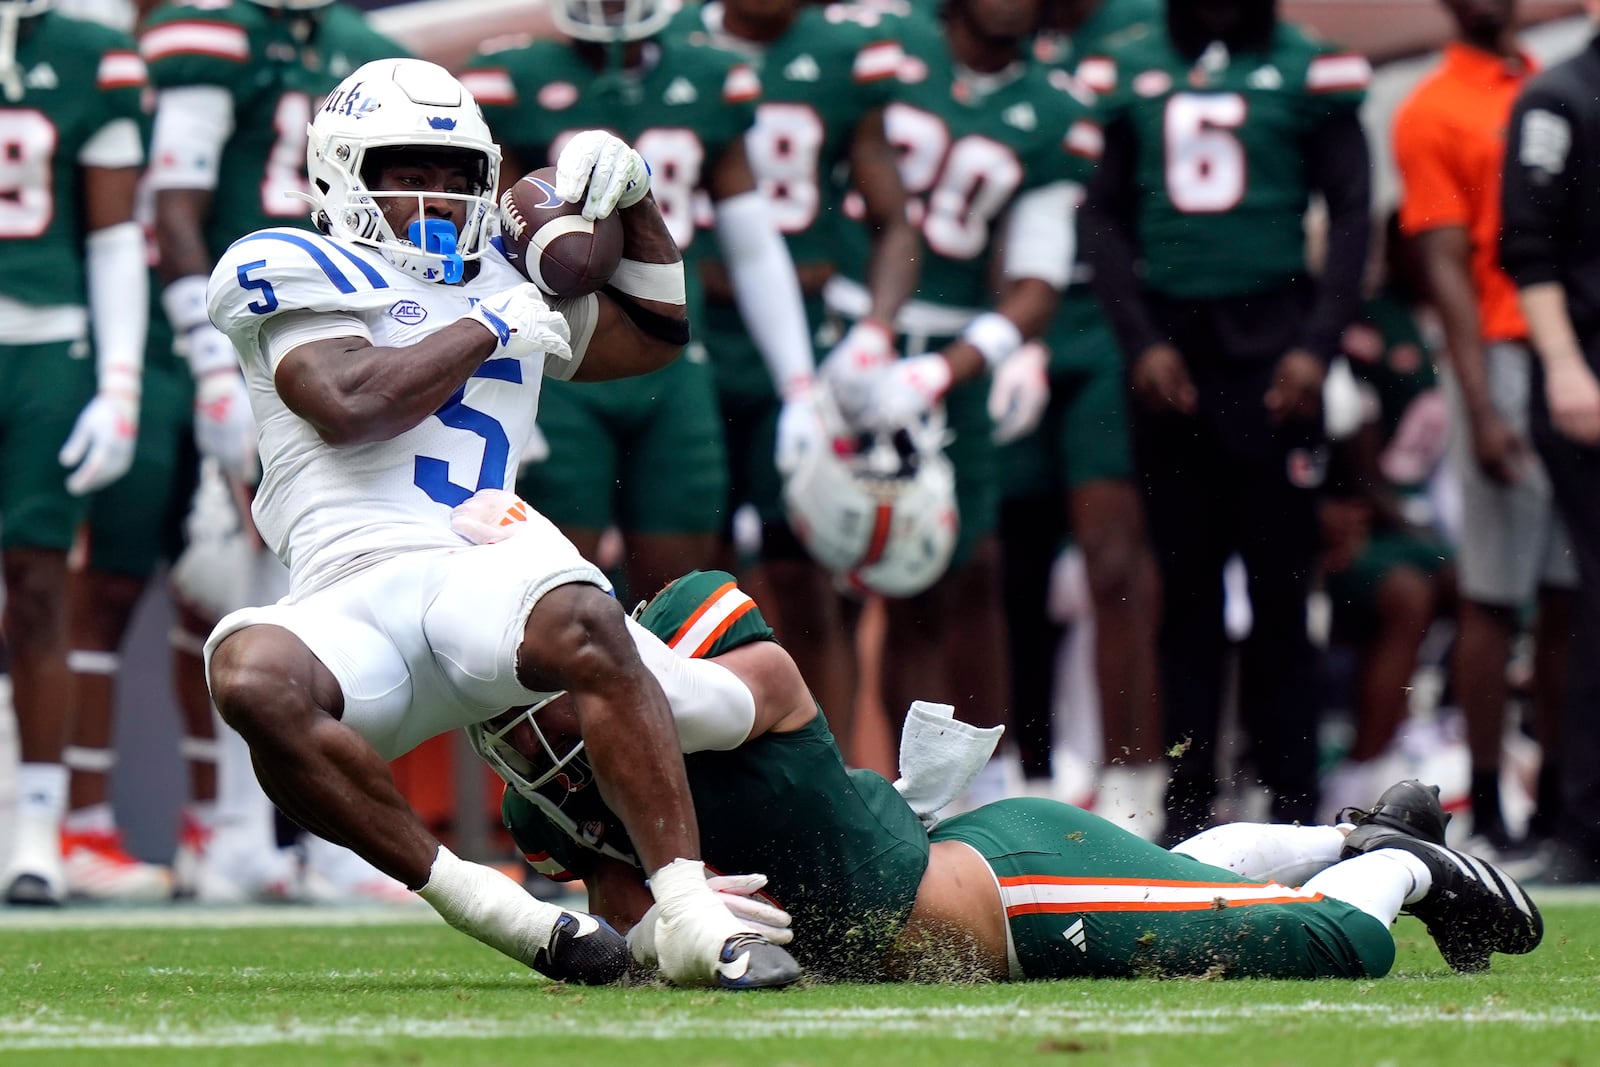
[{"x": 303, "y": 987}]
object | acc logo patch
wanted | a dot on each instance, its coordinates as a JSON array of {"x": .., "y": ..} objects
[{"x": 408, "y": 311}]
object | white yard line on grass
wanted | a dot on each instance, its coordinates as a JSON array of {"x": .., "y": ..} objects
[
  {"x": 93, "y": 917},
  {"x": 958, "y": 1022}
]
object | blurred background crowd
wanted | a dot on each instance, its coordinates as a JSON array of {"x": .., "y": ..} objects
[{"x": 1230, "y": 359}]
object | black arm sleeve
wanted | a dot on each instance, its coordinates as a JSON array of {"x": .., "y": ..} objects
[
  {"x": 1535, "y": 187},
  {"x": 1339, "y": 167},
  {"x": 1106, "y": 240}
]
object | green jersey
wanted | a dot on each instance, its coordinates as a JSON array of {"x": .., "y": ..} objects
[
  {"x": 274, "y": 81},
  {"x": 79, "y": 108},
  {"x": 681, "y": 111},
  {"x": 842, "y": 852},
  {"x": 968, "y": 146},
  {"x": 1221, "y": 180}
]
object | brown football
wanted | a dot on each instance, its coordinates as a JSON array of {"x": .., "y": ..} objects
[{"x": 550, "y": 241}]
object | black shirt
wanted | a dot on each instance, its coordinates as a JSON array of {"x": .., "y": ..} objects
[{"x": 1550, "y": 196}]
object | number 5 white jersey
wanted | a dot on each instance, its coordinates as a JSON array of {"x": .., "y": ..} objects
[{"x": 328, "y": 511}]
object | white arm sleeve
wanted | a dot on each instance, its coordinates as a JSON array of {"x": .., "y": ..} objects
[
  {"x": 192, "y": 124},
  {"x": 712, "y": 708},
  {"x": 1041, "y": 234},
  {"x": 766, "y": 288},
  {"x": 119, "y": 302}
]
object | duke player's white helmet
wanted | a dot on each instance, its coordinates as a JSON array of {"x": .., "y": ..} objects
[
  {"x": 878, "y": 509},
  {"x": 611, "y": 20},
  {"x": 418, "y": 107}
]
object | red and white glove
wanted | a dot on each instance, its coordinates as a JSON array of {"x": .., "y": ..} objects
[
  {"x": 224, "y": 428},
  {"x": 906, "y": 390},
  {"x": 739, "y": 893},
  {"x": 851, "y": 367},
  {"x": 800, "y": 429},
  {"x": 1019, "y": 393},
  {"x": 100, "y": 448}
]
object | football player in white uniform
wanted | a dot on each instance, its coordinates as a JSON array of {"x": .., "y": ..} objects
[{"x": 393, "y": 362}]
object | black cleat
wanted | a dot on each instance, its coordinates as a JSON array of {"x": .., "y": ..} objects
[
  {"x": 1473, "y": 910},
  {"x": 750, "y": 961},
  {"x": 31, "y": 890},
  {"x": 1408, "y": 806},
  {"x": 583, "y": 949}
]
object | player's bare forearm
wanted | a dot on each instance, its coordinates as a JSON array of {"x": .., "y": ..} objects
[
  {"x": 180, "y": 233},
  {"x": 354, "y": 393},
  {"x": 1446, "y": 263},
  {"x": 895, "y": 265},
  {"x": 639, "y": 339},
  {"x": 617, "y": 892},
  {"x": 108, "y": 196},
  {"x": 1028, "y": 303}
]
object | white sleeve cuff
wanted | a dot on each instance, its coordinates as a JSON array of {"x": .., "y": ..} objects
[
  {"x": 193, "y": 122},
  {"x": 1041, "y": 233}
]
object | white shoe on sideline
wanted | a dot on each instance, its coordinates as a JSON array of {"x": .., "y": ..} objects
[{"x": 34, "y": 874}]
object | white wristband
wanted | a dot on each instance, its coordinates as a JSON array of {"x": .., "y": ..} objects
[
  {"x": 662, "y": 282},
  {"x": 994, "y": 335},
  {"x": 185, "y": 303}
]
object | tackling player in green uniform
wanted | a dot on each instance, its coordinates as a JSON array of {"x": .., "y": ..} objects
[
  {"x": 993, "y": 154},
  {"x": 235, "y": 85},
  {"x": 1019, "y": 889},
  {"x": 1221, "y": 122},
  {"x": 826, "y": 75},
  {"x": 647, "y": 455},
  {"x": 1074, "y": 474},
  {"x": 75, "y": 280}
]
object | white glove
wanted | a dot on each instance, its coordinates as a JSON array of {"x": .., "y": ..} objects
[
  {"x": 100, "y": 446},
  {"x": 1019, "y": 393},
  {"x": 800, "y": 430},
  {"x": 614, "y": 174},
  {"x": 523, "y": 323},
  {"x": 693, "y": 925},
  {"x": 852, "y": 366},
  {"x": 906, "y": 390},
  {"x": 489, "y": 516},
  {"x": 224, "y": 428},
  {"x": 738, "y": 892}
]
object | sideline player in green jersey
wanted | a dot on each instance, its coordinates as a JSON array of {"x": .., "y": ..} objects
[
  {"x": 75, "y": 280},
  {"x": 1018, "y": 889},
  {"x": 826, "y": 75},
  {"x": 647, "y": 456},
  {"x": 993, "y": 154},
  {"x": 235, "y": 85},
  {"x": 1074, "y": 474},
  {"x": 1221, "y": 122}
]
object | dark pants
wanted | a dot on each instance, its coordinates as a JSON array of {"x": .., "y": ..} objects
[
  {"x": 1221, "y": 481},
  {"x": 1575, "y": 478}
]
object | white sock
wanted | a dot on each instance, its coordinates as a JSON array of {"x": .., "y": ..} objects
[
  {"x": 1267, "y": 852},
  {"x": 484, "y": 903},
  {"x": 42, "y": 791},
  {"x": 94, "y": 819},
  {"x": 1380, "y": 883}
]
